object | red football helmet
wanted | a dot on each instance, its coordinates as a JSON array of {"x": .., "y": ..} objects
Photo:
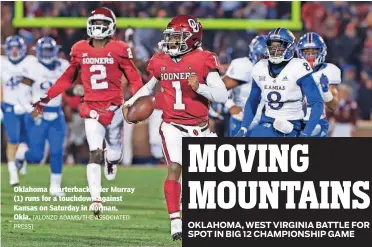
[
  {"x": 183, "y": 34},
  {"x": 106, "y": 25}
]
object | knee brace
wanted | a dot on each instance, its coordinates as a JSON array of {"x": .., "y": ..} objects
[{"x": 96, "y": 156}]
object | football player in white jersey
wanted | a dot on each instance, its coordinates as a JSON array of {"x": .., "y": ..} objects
[
  {"x": 238, "y": 80},
  {"x": 311, "y": 47},
  {"x": 51, "y": 126},
  {"x": 282, "y": 81},
  {"x": 16, "y": 68}
]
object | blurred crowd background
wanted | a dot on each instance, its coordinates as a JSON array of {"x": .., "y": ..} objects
[{"x": 345, "y": 26}]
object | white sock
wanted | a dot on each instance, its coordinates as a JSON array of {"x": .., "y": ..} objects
[
  {"x": 175, "y": 215},
  {"x": 21, "y": 150},
  {"x": 94, "y": 181},
  {"x": 13, "y": 173},
  {"x": 55, "y": 180}
]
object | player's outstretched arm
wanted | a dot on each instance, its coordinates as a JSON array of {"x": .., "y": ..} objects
[
  {"x": 250, "y": 108},
  {"x": 61, "y": 85},
  {"x": 65, "y": 81},
  {"x": 214, "y": 89},
  {"x": 314, "y": 100}
]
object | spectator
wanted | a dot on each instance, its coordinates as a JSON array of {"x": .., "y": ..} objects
[
  {"x": 352, "y": 44},
  {"x": 365, "y": 99},
  {"x": 349, "y": 79},
  {"x": 255, "y": 10},
  {"x": 343, "y": 120},
  {"x": 313, "y": 15}
]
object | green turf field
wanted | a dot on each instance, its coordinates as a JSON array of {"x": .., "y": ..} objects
[{"x": 148, "y": 224}]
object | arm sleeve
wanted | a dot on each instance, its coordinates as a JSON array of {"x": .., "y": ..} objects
[
  {"x": 147, "y": 89},
  {"x": 129, "y": 69},
  {"x": 215, "y": 89},
  {"x": 251, "y": 105},
  {"x": 66, "y": 79},
  {"x": 314, "y": 101},
  {"x": 131, "y": 73}
]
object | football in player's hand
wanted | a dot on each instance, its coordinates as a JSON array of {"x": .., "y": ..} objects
[{"x": 141, "y": 109}]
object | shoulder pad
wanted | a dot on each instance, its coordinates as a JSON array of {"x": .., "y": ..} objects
[
  {"x": 333, "y": 73},
  {"x": 77, "y": 46}
]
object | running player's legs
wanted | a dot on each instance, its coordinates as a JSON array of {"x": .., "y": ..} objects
[
  {"x": 56, "y": 138},
  {"x": 114, "y": 139},
  {"x": 95, "y": 133},
  {"x": 114, "y": 145},
  {"x": 172, "y": 147}
]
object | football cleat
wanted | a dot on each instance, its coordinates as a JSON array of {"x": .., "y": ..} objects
[
  {"x": 22, "y": 166},
  {"x": 176, "y": 229},
  {"x": 14, "y": 181},
  {"x": 110, "y": 169},
  {"x": 13, "y": 176},
  {"x": 96, "y": 207}
]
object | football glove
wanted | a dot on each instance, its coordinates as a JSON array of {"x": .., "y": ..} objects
[
  {"x": 39, "y": 106},
  {"x": 324, "y": 83}
]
